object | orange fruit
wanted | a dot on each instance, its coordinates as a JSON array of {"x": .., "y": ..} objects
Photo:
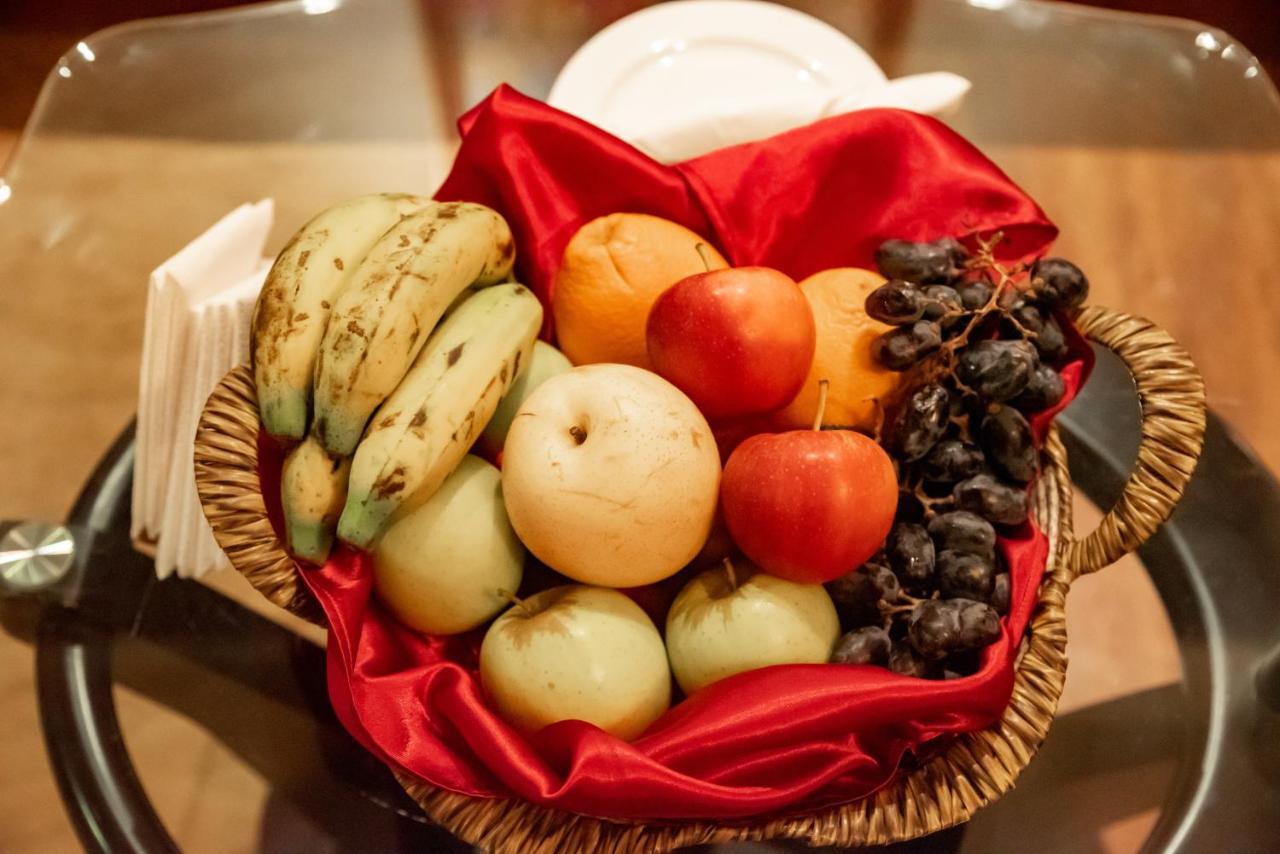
[
  {"x": 856, "y": 381},
  {"x": 613, "y": 270}
]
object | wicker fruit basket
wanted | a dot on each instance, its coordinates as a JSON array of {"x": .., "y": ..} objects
[{"x": 974, "y": 768}]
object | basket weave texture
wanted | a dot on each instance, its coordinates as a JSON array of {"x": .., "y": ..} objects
[{"x": 973, "y": 770}]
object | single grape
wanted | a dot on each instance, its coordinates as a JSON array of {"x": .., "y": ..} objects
[
  {"x": 952, "y": 460},
  {"x": 883, "y": 578},
  {"x": 962, "y": 531},
  {"x": 899, "y": 349},
  {"x": 904, "y": 660},
  {"x": 1006, "y": 439},
  {"x": 896, "y": 349},
  {"x": 942, "y": 303},
  {"x": 994, "y": 501},
  {"x": 1027, "y": 314},
  {"x": 896, "y": 302},
  {"x": 1000, "y": 591},
  {"x": 1051, "y": 343},
  {"x": 955, "y": 249},
  {"x": 1024, "y": 315},
  {"x": 856, "y": 597},
  {"x": 922, "y": 421},
  {"x": 933, "y": 629},
  {"x": 1058, "y": 283},
  {"x": 997, "y": 370},
  {"x": 939, "y": 627},
  {"x": 976, "y": 294},
  {"x": 867, "y": 645},
  {"x": 1045, "y": 389},
  {"x": 910, "y": 553},
  {"x": 922, "y": 263},
  {"x": 979, "y": 624},
  {"x": 965, "y": 576},
  {"x": 1046, "y": 333}
]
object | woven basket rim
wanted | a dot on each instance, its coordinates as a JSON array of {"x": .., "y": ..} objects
[{"x": 974, "y": 769}]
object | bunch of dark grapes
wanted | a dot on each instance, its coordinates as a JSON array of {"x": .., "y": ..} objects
[{"x": 981, "y": 344}]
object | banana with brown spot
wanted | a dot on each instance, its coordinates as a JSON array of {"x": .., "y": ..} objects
[
  {"x": 298, "y": 295},
  {"x": 418, "y": 436},
  {"x": 313, "y": 488},
  {"x": 397, "y": 296}
]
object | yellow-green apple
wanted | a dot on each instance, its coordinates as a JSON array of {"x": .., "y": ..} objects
[
  {"x": 735, "y": 618},
  {"x": 576, "y": 653},
  {"x": 610, "y": 475},
  {"x": 545, "y": 363},
  {"x": 737, "y": 341},
  {"x": 452, "y": 562}
]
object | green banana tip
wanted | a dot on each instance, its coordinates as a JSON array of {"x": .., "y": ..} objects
[
  {"x": 310, "y": 541},
  {"x": 284, "y": 414},
  {"x": 357, "y": 526}
]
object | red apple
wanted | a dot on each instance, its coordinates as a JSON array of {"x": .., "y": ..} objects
[
  {"x": 736, "y": 341},
  {"x": 809, "y": 505}
]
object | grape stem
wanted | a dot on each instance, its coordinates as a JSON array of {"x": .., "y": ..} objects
[
  {"x": 902, "y": 594},
  {"x": 903, "y": 603},
  {"x": 943, "y": 362},
  {"x": 929, "y": 502}
]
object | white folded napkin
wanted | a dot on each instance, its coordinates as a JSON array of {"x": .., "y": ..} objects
[
  {"x": 671, "y": 137},
  {"x": 199, "y": 306}
]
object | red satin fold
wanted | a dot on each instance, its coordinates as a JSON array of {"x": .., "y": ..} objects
[{"x": 782, "y": 739}]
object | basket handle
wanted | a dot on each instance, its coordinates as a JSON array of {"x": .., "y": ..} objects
[{"x": 1171, "y": 393}]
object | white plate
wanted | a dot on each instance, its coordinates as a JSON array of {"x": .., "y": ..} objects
[{"x": 670, "y": 64}]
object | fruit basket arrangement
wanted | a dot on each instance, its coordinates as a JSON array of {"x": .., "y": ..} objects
[{"x": 773, "y": 542}]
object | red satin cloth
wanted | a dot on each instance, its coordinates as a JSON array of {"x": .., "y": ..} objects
[{"x": 778, "y": 740}]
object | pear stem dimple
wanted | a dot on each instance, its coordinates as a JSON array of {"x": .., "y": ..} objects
[
  {"x": 701, "y": 249},
  {"x": 822, "y": 404},
  {"x": 733, "y": 575}
]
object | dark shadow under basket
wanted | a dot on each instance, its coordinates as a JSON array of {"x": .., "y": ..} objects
[{"x": 973, "y": 770}]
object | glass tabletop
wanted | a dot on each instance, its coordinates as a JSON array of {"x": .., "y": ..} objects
[{"x": 1153, "y": 143}]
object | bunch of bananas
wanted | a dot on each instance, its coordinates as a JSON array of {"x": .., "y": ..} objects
[{"x": 383, "y": 340}]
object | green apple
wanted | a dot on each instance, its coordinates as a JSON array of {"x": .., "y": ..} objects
[
  {"x": 735, "y": 618},
  {"x": 452, "y": 562},
  {"x": 546, "y": 362},
  {"x": 576, "y": 653}
]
